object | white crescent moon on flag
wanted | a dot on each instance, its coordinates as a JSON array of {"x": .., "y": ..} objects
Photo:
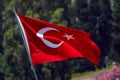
[{"x": 40, "y": 34}]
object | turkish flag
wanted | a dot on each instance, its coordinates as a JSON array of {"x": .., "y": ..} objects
[{"x": 48, "y": 42}]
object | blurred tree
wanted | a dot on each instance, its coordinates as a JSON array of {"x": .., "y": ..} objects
[
  {"x": 1, "y": 31},
  {"x": 115, "y": 43},
  {"x": 105, "y": 26},
  {"x": 12, "y": 66}
]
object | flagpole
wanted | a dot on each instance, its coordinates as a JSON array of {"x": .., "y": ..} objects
[{"x": 25, "y": 42}]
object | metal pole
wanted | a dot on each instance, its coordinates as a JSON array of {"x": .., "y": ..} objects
[{"x": 25, "y": 42}]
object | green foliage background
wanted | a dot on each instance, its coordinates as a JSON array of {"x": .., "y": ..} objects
[{"x": 99, "y": 17}]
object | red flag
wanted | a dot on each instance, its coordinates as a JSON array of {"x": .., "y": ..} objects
[{"x": 49, "y": 42}]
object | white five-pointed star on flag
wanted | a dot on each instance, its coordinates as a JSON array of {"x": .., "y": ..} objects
[{"x": 68, "y": 36}]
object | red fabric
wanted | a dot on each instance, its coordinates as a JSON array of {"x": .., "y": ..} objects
[{"x": 79, "y": 46}]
